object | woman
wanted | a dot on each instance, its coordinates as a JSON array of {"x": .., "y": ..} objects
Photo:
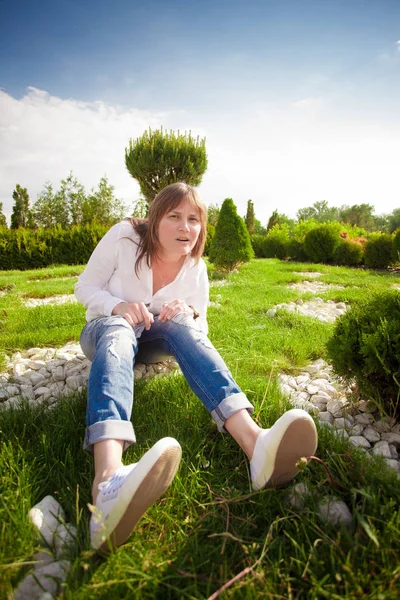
[{"x": 146, "y": 289}]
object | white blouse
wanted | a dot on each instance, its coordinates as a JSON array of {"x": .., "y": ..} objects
[{"x": 110, "y": 278}]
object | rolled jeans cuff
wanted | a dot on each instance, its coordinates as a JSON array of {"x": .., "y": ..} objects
[
  {"x": 228, "y": 407},
  {"x": 111, "y": 429}
]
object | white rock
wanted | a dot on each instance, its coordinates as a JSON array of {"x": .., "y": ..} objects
[
  {"x": 46, "y": 515},
  {"x": 325, "y": 417},
  {"x": 335, "y": 512},
  {"x": 312, "y": 389},
  {"x": 33, "y": 351},
  {"x": 12, "y": 390},
  {"x": 342, "y": 423},
  {"x": 34, "y": 377},
  {"x": 36, "y": 364},
  {"x": 357, "y": 430},
  {"x": 360, "y": 441},
  {"x": 40, "y": 391},
  {"x": 393, "y": 464},
  {"x": 363, "y": 419},
  {"x": 298, "y": 495},
  {"x": 44, "y": 583},
  {"x": 371, "y": 435},
  {"x": 382, "y": 449},
  {"x": 394, "y": 452},
  {"x": 392, "y": 438},
  {"x": 341, "y": 433},
  {"x": 64, "y": 539}
]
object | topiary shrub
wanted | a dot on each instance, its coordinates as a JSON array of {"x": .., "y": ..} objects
[
  {"x": 348, "y": 253},
  {"x": 276, "y": 242},
  {"x": 320, "y": 243},
  {"x": 379, "y": 251},
  {"x": 257, "y": 245},
  {"x": 231, "y": 244},
  {"x": 366, "y": 346}
]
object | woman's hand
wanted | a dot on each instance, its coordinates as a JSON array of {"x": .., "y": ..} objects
[
  {"x": 135, "y": 313},
  {"x": 170, "y": 309}
]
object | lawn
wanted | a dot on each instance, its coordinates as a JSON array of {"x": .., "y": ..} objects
[{"x": 209, "y": 526}]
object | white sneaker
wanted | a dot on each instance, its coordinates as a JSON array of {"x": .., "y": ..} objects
[
  {"x": 278, "y": 449},
  {"x": 125, "y": 497}
]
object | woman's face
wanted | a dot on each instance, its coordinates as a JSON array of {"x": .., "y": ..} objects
[{"x": 178, "y": 230}]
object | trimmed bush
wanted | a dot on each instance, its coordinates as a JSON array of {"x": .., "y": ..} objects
[
  {"x": 366, "y": 346},
  {"x": 26, "y": 249},
  {"x": 257, "y": 245},
  {"x": 231, "y": 244},
  {"x": 275, "y": 244},
  {"x": 379, "y": 251},
  {"x": 348, "y": 254},
  {"x": 320, "y": 243},
  {"x": 396, "y": 244}
]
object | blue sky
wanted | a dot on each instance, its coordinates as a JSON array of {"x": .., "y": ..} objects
[{"x": 298, "y": 99}]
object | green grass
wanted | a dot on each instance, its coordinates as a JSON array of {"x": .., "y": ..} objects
[{"x": 209, "y": 526}]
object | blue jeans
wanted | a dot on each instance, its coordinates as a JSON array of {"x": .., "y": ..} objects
[{"x": 112, "y": 345}]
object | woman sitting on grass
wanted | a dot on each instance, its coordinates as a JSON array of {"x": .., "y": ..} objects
[{"x": 146, "y": 290}]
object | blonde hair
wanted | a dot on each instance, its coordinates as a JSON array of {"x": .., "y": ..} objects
[{"x": 165, "y": 201}]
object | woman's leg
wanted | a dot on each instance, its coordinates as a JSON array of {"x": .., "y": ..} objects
[
  {"x": 121, "y": 494},
  {"x": 274, "y": 452}
]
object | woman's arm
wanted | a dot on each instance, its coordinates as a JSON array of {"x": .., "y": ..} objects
[{"x": 89, "y": 289}]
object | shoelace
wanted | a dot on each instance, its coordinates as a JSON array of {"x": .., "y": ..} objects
[{"x": 110, "y": 488}]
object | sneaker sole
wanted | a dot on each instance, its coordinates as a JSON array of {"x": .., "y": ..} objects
[
  {"x": 158, "y": 468},
  {"x": 293, "y": 436},
  {"x": 300, "y": 439}
]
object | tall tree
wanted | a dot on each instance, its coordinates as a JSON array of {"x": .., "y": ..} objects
[
  {"x": 320, "y": 211},
  {"x": 278, "y": 219},
  {"x": 213, "y": 214},
  {"x": 394, "y": 220},
  {"x": 3, "y": 220},
  {"x": 21, "y": 215},
  {"x": 49, "y": 209},
  {"x": 231, "y": 243},
  {"x": 360, "y": 215},
  {"x": 102, "y": 206},
  {"x": 159, "y": 158},
  {"x": 250, "y": 217}
]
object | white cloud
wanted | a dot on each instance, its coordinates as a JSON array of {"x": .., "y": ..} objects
[{"x": 282, "y": 158}]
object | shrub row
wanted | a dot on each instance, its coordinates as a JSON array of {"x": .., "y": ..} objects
[
  {"x": 26, "y": 249},
  {"x": 331, "y": 243}
]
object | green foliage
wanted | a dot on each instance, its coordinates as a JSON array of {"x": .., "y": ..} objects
[
  {"x": 213, "y": 211},
  {"x": 394, "y": 220},
  {"x": 348, "y": 253},
  {"x": 320, "y": 211},
  {"x": 320, "y": 243},
  {"x": 257, "y": 245},
  {"x": 366, "y": 346},
  {"x": 379, "y": 251},
  {"x": 276, "y": 243},
  {"x": 278, "y": 219},
  {"x": 159, "y": 158},
  {"x": 70, "y": 205},
  {"x": 140, "y": 208},
  {"x": 3, "y": 220},
  {"x": 231, "y": 245},
  {"x": 21, "y": 215},
  {"x": 360, "y": 215},
  {"x": 250, "y": 218},
  {"x": 209, "y": 238},
  {"x": 26, "y": 249}
]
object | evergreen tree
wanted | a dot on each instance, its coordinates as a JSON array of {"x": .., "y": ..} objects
[
  {"x": 3, "y": 220},
  {"x": 279, "y": 219},
  {"x": 159, "y": 158},
  {"x": 231, "y": 244},
  {"x": 102, "y": 207},
  {"x": 21, "y": 215},
  {"x": 250, "y": 218},
  {"x": 48, "y": 210}
]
